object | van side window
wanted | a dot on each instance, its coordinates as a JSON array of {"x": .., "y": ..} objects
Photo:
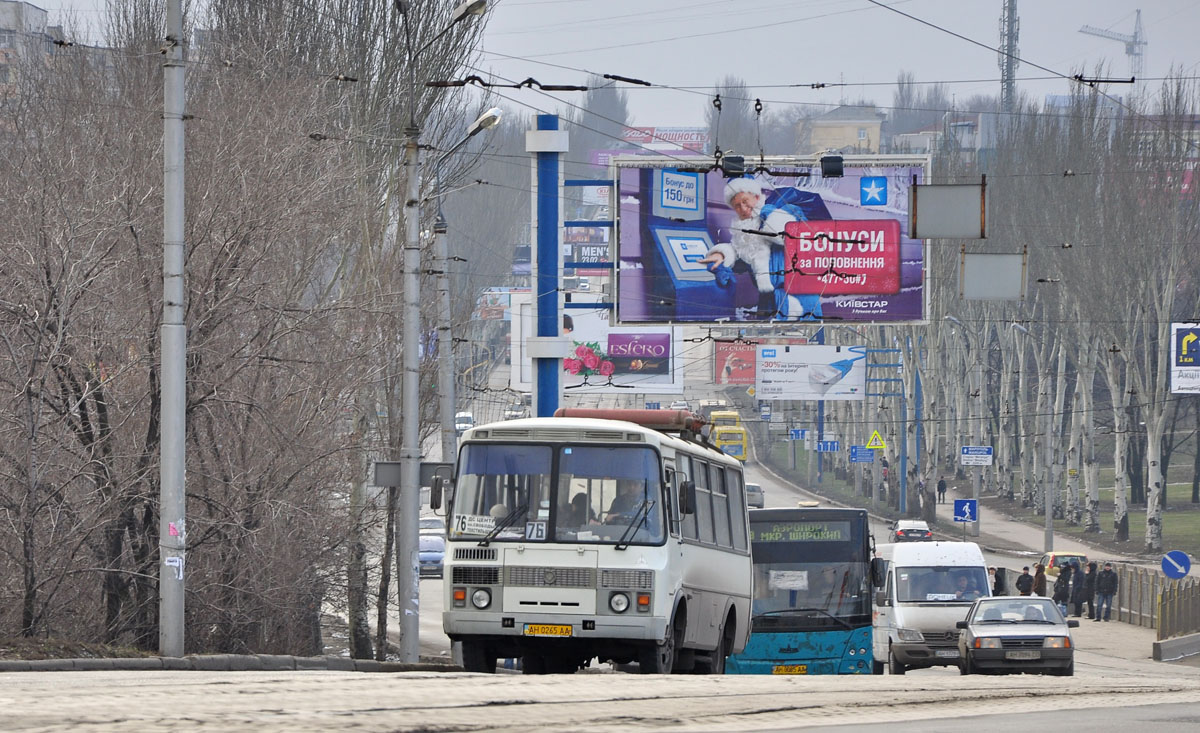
[{"x": 704, "y": 526}]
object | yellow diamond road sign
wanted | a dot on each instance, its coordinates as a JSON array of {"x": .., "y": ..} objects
[{"x": 876, "y": 441}]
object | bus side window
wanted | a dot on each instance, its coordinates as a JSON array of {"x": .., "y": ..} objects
[
  {"x": 669, "y": 491},
  {"x": 737, "y": 508},
  {"x": 720, "y": 504},
  {"x": 704, "y": 525},
  {"x": 686, "y": 466}
]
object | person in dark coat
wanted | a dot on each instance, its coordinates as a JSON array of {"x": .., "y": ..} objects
[
  {"x": 1089, "y": 589},
  {"x": 1024, "y": 582},
  {"x": 1062, "y": 589},
  {"x": 1077, "y": 593},
  {"x": 1106, "y": 589},
  {"x": 1039, "y": 580}
]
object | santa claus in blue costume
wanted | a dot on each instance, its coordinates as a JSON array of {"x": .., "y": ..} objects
[{"x": 756, "y": 241}]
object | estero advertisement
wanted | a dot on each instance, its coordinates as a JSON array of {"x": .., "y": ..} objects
[{"x": 778, "y": 246}]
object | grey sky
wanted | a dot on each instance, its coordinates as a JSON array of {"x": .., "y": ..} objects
[{"x": 773, "y": 43}]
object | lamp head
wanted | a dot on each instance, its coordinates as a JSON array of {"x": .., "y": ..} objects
[
  {"x": 487, "y": 120},
  {"x": 468, "y": 7}
]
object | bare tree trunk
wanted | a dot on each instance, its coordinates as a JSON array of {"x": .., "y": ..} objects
[{"x": 385, "y": 576}]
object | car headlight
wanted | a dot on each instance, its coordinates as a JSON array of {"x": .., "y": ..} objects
[
  {"x": 481, "y": 598},
  {"x": 987, "y": 642},
  {"x": 618, "y": 602},
  {"x": 1056, "y": 642},
  {"x": 910, "y": 635}
]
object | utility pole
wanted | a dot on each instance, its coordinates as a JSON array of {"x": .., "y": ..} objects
[
  {"x": 407, "y": 526},
  {"x": 1009, "y": 56},
  {"x": 445, "y": 343},
  {"x": 172, "y": 527}
]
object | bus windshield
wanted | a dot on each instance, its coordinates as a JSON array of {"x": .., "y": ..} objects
[{"x": 565, "y": 493}]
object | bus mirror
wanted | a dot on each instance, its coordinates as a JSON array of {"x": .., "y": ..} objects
[
  {"x": 878, "y": 572},
  {"x": 435, "y": 493},
  {"x": 881, "y": 598},
  {"x": 687, "y": 498}
]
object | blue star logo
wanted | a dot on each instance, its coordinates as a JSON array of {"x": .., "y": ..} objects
[{"x": 872, "y": 190}]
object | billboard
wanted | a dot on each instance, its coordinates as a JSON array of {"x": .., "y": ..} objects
[
  {"x": 810, "y": 372},
  {"x": 1185, "y": 358},
  {"x": 734, "y": 361},
  {"x": 780, "y": 246},
  {"x": 493, "y": 304},
  {"x": 604, "y": 358}
]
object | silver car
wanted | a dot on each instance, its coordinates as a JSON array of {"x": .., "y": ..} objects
[
  {"x": 1005, "y": 634},
  {"x": 754, "y": 495}
]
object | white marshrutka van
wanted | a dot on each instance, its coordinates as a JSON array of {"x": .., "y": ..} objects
[{"x": 924, "y": 589}]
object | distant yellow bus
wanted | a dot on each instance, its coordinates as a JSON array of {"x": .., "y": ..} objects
[
  {"x": 719, "y": 418},
  {"x": 731, "y": 441}
]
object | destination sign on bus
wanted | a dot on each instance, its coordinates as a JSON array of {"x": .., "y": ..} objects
[{"x": 800, "y": 532}]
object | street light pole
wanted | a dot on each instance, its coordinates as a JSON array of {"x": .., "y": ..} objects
[{"x": 407, "y": 526}]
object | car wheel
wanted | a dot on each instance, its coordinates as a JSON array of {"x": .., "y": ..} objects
[
  {"x": 1067, "y": 671},
  {"x": 894, "y": 665},
  {"x": 967, "y": 667}
]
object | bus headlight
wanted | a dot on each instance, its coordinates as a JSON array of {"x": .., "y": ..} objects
[
  {"x": 618, "y": 602},
  {"x": 481, "y": 598}
]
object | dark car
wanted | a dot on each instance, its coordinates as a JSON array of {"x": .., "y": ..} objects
[
  {"x": 1005, "y": 634},
  {"x": 911, "y": 530},
  {"x": 431, "y": 550}
]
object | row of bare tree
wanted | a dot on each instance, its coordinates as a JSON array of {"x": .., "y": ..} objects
[{"x": 1075, "y": 376}]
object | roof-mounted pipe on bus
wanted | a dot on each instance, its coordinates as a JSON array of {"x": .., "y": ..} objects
[{"x": 666, "y": 421}]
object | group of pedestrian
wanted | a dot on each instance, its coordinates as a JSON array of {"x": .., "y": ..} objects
[{"x": 1074, "y": 587}]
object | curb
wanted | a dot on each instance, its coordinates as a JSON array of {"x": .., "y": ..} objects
[{"x": 223, "y": 663}]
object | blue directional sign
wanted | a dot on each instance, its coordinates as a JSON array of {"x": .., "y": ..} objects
[
  {"x": 966, "y": 510},
  {"x": 797, "y": 433},
  {"x": 976, "y": 455},
  {"x": 861, "y": 454},
  {"x": 1176, "y": 564},
  {"x": 828, "y": 446},
  {"x": 764, "y": 410},
  {"x": 653, "y": 405}
]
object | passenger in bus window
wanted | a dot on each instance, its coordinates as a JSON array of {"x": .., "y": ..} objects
[
  {"x": 627, "y": 502},
  {"x": 580, "y": 513}
]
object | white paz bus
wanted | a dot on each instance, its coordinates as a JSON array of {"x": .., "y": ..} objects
[{"x": 619, "y": 535}]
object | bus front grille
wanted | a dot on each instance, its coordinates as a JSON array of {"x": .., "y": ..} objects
[
  {"x": 541, "y": 577},
  {"x": 636, "y": 579},
  {"x": 474, "y": 553},
  {"x": 469, "y": 575}
]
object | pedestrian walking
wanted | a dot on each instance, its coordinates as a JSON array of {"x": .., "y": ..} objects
[
  {"x": 1024, "y": 582},
  {"x": 1077, "y": 590},
  {"x": 941, "y": 489},
  {"x": 1039, "y": 580},
  {"x": 1062, "y": 589},
  {"x": 1107, "y": 584},
  {"x": 1089, "y": 589}
]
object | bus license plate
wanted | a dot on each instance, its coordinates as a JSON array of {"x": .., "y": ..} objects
[
  {"x": 547, "y": 630},
  {"x": 790, "y": 669},
  {"x": 1030, "y": 654},
  {"x": 947, "y": 653}
]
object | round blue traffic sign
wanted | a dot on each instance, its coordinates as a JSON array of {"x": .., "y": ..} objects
[{"x": 1176, "y": 564}]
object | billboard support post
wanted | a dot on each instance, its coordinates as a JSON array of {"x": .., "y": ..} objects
[{"x": 547, "y": 144}]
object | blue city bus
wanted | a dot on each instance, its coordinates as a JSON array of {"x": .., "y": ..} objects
[{"x": 811, "y": 612}]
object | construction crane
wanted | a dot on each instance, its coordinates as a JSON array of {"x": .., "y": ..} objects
[{"x": 1135, "y": 45}]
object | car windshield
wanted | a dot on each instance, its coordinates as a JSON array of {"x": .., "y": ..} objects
[
  {"x": 940, "y": 584},
  {"x": 601, "y": 494},
  {"x": 1016, "y": 611}
]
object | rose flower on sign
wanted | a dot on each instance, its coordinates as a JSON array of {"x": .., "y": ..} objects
[{"x": 588, "y": 360}]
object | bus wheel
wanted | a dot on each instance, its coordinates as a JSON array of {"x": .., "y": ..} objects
[
  {"x": 894, "y": 665},
  {"x": 534, "y": 664},
  {"x": 477, "y": 657},
  {"x": 715, "y": 663},
  {"x": 660, "y": 658},
  {"x": 876, "y": 666}
]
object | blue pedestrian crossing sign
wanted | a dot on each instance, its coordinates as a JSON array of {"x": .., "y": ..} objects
[
  {"x": 1176, "y": 564},
  {"x": 966, "y": 510}
]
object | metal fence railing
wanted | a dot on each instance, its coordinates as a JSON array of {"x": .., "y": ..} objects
[{"x": 1179, "y": 608}]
